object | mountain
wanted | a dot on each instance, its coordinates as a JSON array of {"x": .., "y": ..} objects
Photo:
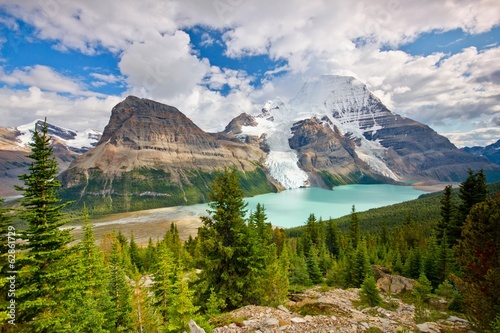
[
  {"x": 151, "y": 155},
  {"x": 67, "y": 145},
  {"x": 490, "y": 152},
  {"x": 336, "y": 131}
]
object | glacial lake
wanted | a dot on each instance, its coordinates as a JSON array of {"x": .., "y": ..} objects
[
  {"x": 291, "y": 208},
  {"x": 286, "y": 209}
]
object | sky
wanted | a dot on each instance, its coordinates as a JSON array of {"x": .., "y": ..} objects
[{"x": 71, "y": 61}]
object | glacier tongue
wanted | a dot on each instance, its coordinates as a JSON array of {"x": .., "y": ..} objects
[
  {"x": 281, "y": 160},
  {"x": 283, "y": 167}
]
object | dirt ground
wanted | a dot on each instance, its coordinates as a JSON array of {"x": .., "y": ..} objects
[{"x": 152, "y": 223}]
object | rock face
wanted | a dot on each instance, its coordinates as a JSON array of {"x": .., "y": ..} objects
[
  {"x": 339, "y": 132},
  {"x": 151, "y": 155}
]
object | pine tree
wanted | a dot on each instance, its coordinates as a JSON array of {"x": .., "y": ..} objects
[
  {"x": 181, "y": 309},
  {"x": 445, "y": 224},
  {"x": 354, "y": 231},
  {"x": 313, "y": 266},
  {"x": 471, "y": 191},
  {"x": 45, "y": 243},
  {"x": 299, "y": 274},
  {"x": 369, "y": 293},
  {"x": 360, "y": 265},
  {"x": 163, "y": 278},
  {"x": 478, "y": 254},
  {"x": 119, "y": 291},
  {"x": 135, "y": 255},
  {"x": 83, "y": 302},
  {"x": 332, "y": 238},
  {"x": 227, "y": 256}
]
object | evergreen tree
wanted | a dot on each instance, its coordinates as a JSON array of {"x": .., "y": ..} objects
[
  {"x": 313, "y": 266},
  {"x": 135, "y": 255},
  {"x": 227, "y": 257},
  {"x": 471, "y": 191},
  {"x": 299, "y": 274},
  {"x": 369, "y": 293},
  {"x": 478, "y": 254},
  {"x": 181, "y": 309},
  {"x": 445, "y": 224},
  {"x": 120, "y": 292},
  {"x": 82, "y": 303},
  {"x": 45, "y": 243},
  {"x": 354, "y": 232},
  {"x": 163, "y": 278},
  {"x": 273, "y": 286},
  {"x": 264, "y": 228},
  {"x": 332, "y": 238},
  {"x": 360, "y": 266}
]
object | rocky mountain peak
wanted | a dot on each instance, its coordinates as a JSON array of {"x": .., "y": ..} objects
[{"x": 141, "y": 123}]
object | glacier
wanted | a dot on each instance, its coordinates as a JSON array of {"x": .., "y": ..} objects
[{"x": 344, "y": 101}]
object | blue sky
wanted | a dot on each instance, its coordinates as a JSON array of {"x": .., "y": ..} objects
[{"x": 72, "y": 61}]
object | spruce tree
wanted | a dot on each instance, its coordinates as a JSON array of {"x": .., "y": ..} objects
[
  {"x": 478, "y": 254},
  {"x": 369, "y": 293},
  {"x": 227, "y": 256},
  {"x": 82, "y": 301},
  {"x": 135, "y": 255},
  {"x": 354, "y": 231},
  {"x": 181, "y": 309},
  {"x": 445, "y": 224},
  {"x": 332, "y": 238},
  {"x": 45, "y": 243},
  {"x": 120, "y": 292},
  {"x": 471, "y": 191},
  {"x": 163, "y": 286},
  {"x": 360, "y": 265}
]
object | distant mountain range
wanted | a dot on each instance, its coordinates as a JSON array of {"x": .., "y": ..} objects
[
  {"x": 67, "y": 145},
  {"x": 490, "y": 152},
  {"x": 334, "y": 132}
]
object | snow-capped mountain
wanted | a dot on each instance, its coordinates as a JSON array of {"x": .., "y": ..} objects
[
  {"x": 78, "y": 142},
  {"x": 67, "y": 145},
  {"x": 491, "y": 152},
  {"x": 335, "y": 130}
]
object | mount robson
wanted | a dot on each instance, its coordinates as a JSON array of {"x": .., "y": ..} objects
[{"x": 333, "y": 132}]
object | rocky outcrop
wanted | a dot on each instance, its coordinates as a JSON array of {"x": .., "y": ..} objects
[
  {"x": 334, "y": 311},
  {"x": 389, "y": 283},
  {"x": 323, "y": 151}
]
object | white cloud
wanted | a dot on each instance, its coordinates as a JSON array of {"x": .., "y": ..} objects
[
  {"x": 44, "y": 78},
  {"x": 313, "y": 38},
  {"x": 23, "y": 106}
]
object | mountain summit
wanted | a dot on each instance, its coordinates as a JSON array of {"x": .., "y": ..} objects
[
  {"x": 335, "y": 131},
  {"x": 151, "y": 155}
]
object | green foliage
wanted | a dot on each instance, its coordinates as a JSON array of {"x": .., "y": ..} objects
[
  {"x": 228, "y": 256},
  {"x": 478, "y": 254},
  {"x": 369, "y": 293},
  {"x": 423, "y": 288},
  {"x": 144, "y": 188},
  {"x": 45, "y": 243}
]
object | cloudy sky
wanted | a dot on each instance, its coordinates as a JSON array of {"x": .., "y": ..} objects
[{"x": 72, "y": 61}]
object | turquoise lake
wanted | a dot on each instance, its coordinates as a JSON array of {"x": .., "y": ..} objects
[{"x": 291, "y": 208}]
